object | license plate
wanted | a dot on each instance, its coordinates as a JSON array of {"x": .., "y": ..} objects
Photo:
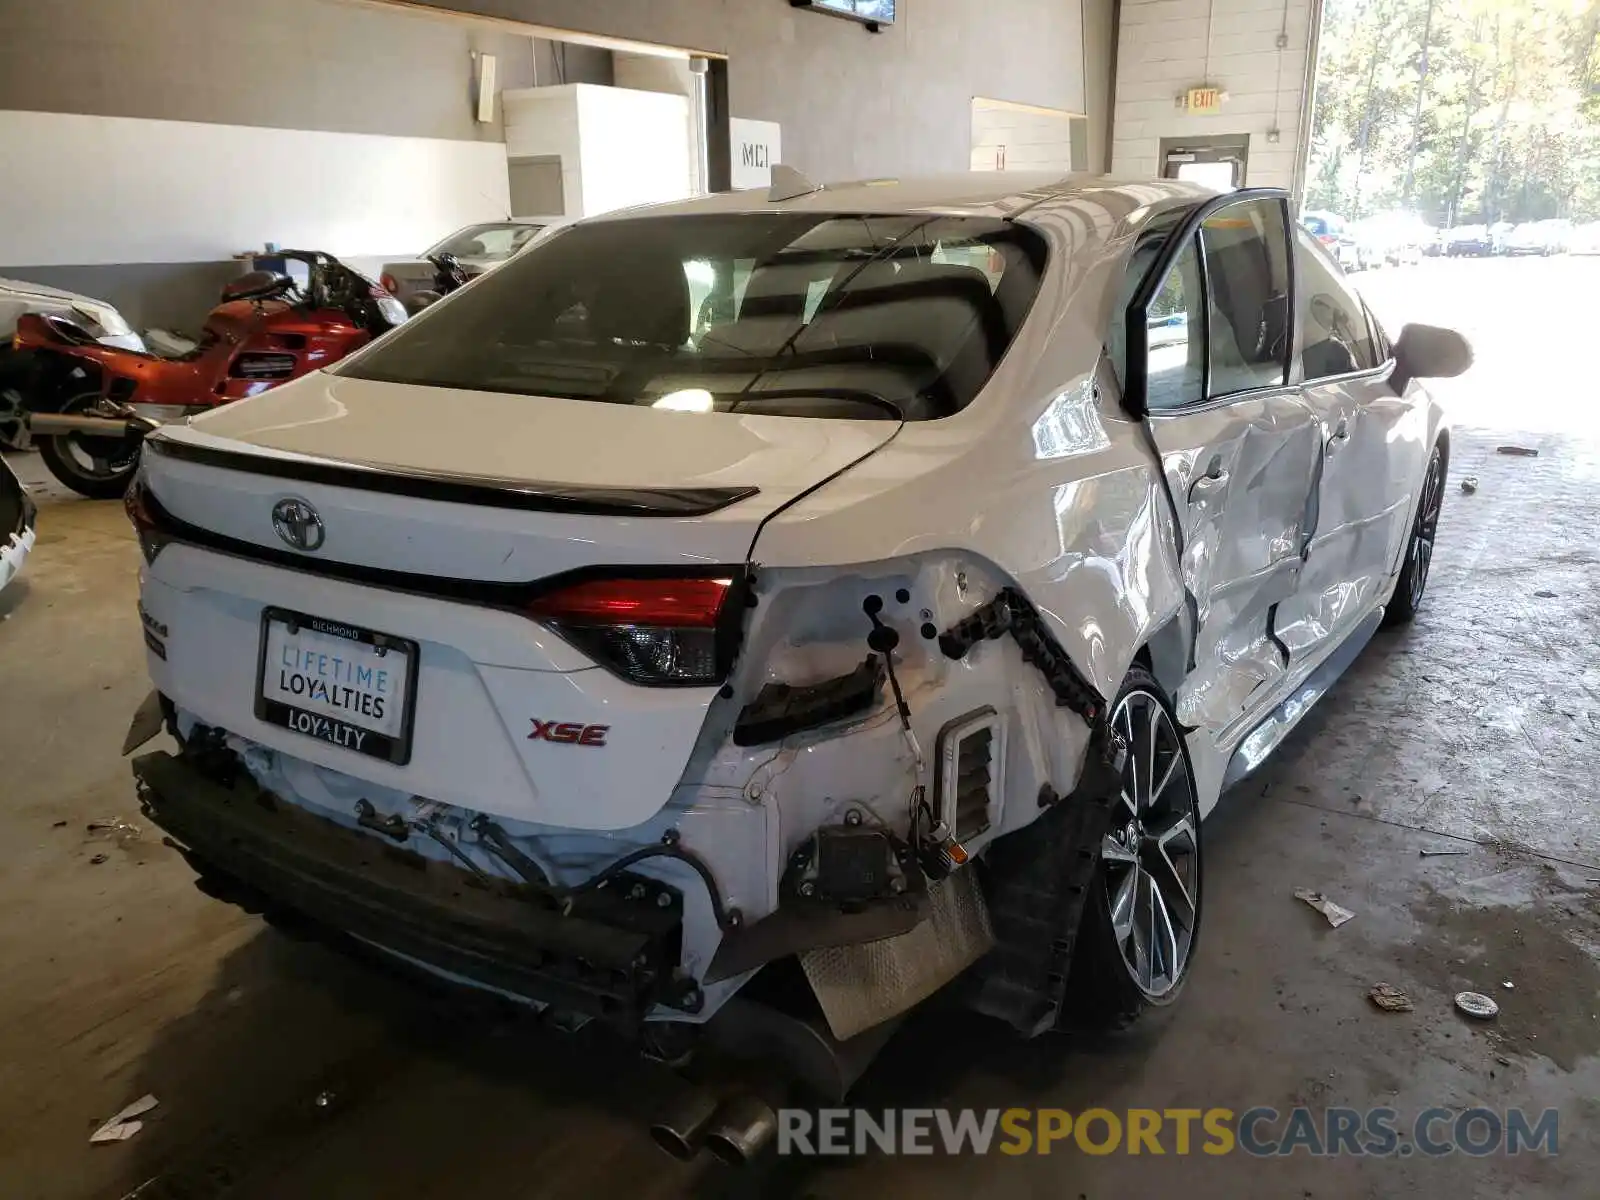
[{"x": 338, "y": 683}]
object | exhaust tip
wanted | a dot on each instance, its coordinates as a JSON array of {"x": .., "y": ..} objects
[
  {"x": 681, "y": 1132},
  {"x": 673, "y": 1142},
  {"x": 742, "y": 1129},
  {"x": 722, "y": 1148}
]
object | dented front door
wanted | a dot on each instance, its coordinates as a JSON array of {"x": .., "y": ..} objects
[
  {"x": 1372, "y": 452},
  {"x": 1239, "y": 448}
]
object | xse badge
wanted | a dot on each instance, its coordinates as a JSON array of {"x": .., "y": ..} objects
[{"x": 569, "y": 733}]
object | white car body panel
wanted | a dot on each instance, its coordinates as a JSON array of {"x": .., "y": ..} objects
[
  {"x": 1042, "y": 483},
  {"x": 18, "y": 298},
  {"x": 16, "y": 527}
]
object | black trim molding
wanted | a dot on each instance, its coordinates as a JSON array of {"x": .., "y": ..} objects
[{"x": 467, "y": 489}]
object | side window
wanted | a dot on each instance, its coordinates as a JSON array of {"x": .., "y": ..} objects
[
  {"x": 1176, "y": 329},
  {"x": 1335, "y": 335},
  {"x": 1246, "y": 250}
]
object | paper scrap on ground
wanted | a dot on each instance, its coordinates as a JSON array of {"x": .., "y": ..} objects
[
  {"x": 1389, "y": 998},
  {"x": 1336, "y": 915},
  {"x": 123, "y": 1126}
]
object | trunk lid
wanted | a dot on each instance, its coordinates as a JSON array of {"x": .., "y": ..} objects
[{"x": 496, "y": 487}]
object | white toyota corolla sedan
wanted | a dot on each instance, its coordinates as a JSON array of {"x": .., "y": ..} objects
[{"x": 754, "y": 614}]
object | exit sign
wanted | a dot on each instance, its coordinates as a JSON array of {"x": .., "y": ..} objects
[{"x": 1204, "y": 100}]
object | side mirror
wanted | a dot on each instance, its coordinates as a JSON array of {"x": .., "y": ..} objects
[{"x": 1429, "y": 352}]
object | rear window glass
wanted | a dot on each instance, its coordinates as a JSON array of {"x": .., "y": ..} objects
[
  {"x": 778, "y": 313},
  {"x": 1316, "y": 225},
  {"x": 485, "y": 241}
]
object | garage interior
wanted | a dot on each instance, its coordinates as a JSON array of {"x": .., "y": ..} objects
[{"x": 1443, "y": 791}]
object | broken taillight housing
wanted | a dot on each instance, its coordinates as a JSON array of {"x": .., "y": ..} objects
[
  {"x": 140, "y": 507},
  {"x": 659, "y": 632}
]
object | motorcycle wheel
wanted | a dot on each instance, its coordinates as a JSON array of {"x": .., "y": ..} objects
[{"x": 97, "y": 467}]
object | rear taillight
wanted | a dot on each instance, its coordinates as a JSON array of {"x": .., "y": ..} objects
[
  {"x": 390, "y": 283},
  {"x": 139, "y": 505},
  {"x": 1327, "y": 239},
  {"x": 655, "y": 632}
]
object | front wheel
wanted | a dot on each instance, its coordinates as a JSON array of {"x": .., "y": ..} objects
[
  {"x": 97, "y": 467},
  {"x": 1142, "y": 920},
  {"x": 1413, "y": 581}
]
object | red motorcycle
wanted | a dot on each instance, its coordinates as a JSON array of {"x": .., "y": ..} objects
[{"x": 90, "y": 405}]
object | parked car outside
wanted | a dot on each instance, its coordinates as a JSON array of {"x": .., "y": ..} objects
[
  {"x": 1336, "y": 237},
  {"x": 1498, "y": 233},
  {"x": 1585, "y": 239},
  {"x": 1531, "y": 237},
  {"x": 1557, "y": 234},
  {"x": 478, "y": 248},
  {"x": 1468, "y": 241},
  {"x": 679, "y": 658}
]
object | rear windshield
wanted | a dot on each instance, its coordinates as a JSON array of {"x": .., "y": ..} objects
[
  {"x": 1317, "y": 225},
  {"x": 778, "y": 313},
  {"x": 485, "y": 241}
]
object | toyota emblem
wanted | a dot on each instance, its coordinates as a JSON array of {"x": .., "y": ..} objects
[{"x": 297, "y": 524}]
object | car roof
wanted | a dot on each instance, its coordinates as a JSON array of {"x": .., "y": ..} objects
[{"x": 966, "y": 193}]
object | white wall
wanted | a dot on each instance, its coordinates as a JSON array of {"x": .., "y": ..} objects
[
  {"x": 618, "y": 147},
  {"x": 651, "y": 73},
  {"x": 130, "y": 190},
  {"x": 1162, "y": 52},
  {"x": 632, "y": 147},
  {"x": 1019, "y": 137},
  {"x": 544, "y": 121}
]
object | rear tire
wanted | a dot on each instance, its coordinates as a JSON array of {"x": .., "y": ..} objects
[
  {"x": 97, "y": 467},
  {"x": 1412, "y": 585},
  {"x": 1141, "y": 924}
]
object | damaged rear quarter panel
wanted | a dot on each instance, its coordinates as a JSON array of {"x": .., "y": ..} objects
[{"x": 1042, "y": 477}]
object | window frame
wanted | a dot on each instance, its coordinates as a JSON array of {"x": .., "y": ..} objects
[
  {"x": 1136, "y": 337},
  {"x": 1386, "y": 361}
]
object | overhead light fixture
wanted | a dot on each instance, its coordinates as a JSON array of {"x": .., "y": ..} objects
[{"x": 686, "y": 400}]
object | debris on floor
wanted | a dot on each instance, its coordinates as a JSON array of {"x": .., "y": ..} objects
[
  {"x": 124, "y": 1125},
  {"x": 1390, "y": 998},
  {"x": 1336, "y": 915},
  {"x": 1545, "y": 595},
  {"x": 97, "y": 860},
  {"x": 1508, "y": 985},
  {"x": 1469, "y": 484},
  {"x": 1476, "y": 1004},
  {"x": 323, "y": 1099},
  {"x": 122, "y": 831},
  {"x": 1518, "y": 451},
  {"x": 1441, "y": 853},
  {"x": 58, "y": 825}
]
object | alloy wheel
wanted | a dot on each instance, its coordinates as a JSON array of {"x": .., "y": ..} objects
[
  {"x": 1152, "y": 851},
  {"x": 13, "y": 420},
  {"x": 1426, "y": 526}
]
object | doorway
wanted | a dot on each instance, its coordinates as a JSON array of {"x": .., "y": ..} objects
[{"x": 1212, "y": 160}]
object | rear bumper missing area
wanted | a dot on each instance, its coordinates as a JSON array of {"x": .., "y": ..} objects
[{"x": 607, "y": 958}]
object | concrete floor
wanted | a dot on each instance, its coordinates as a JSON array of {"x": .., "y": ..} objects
[{"x": 1478, "y": 729}]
